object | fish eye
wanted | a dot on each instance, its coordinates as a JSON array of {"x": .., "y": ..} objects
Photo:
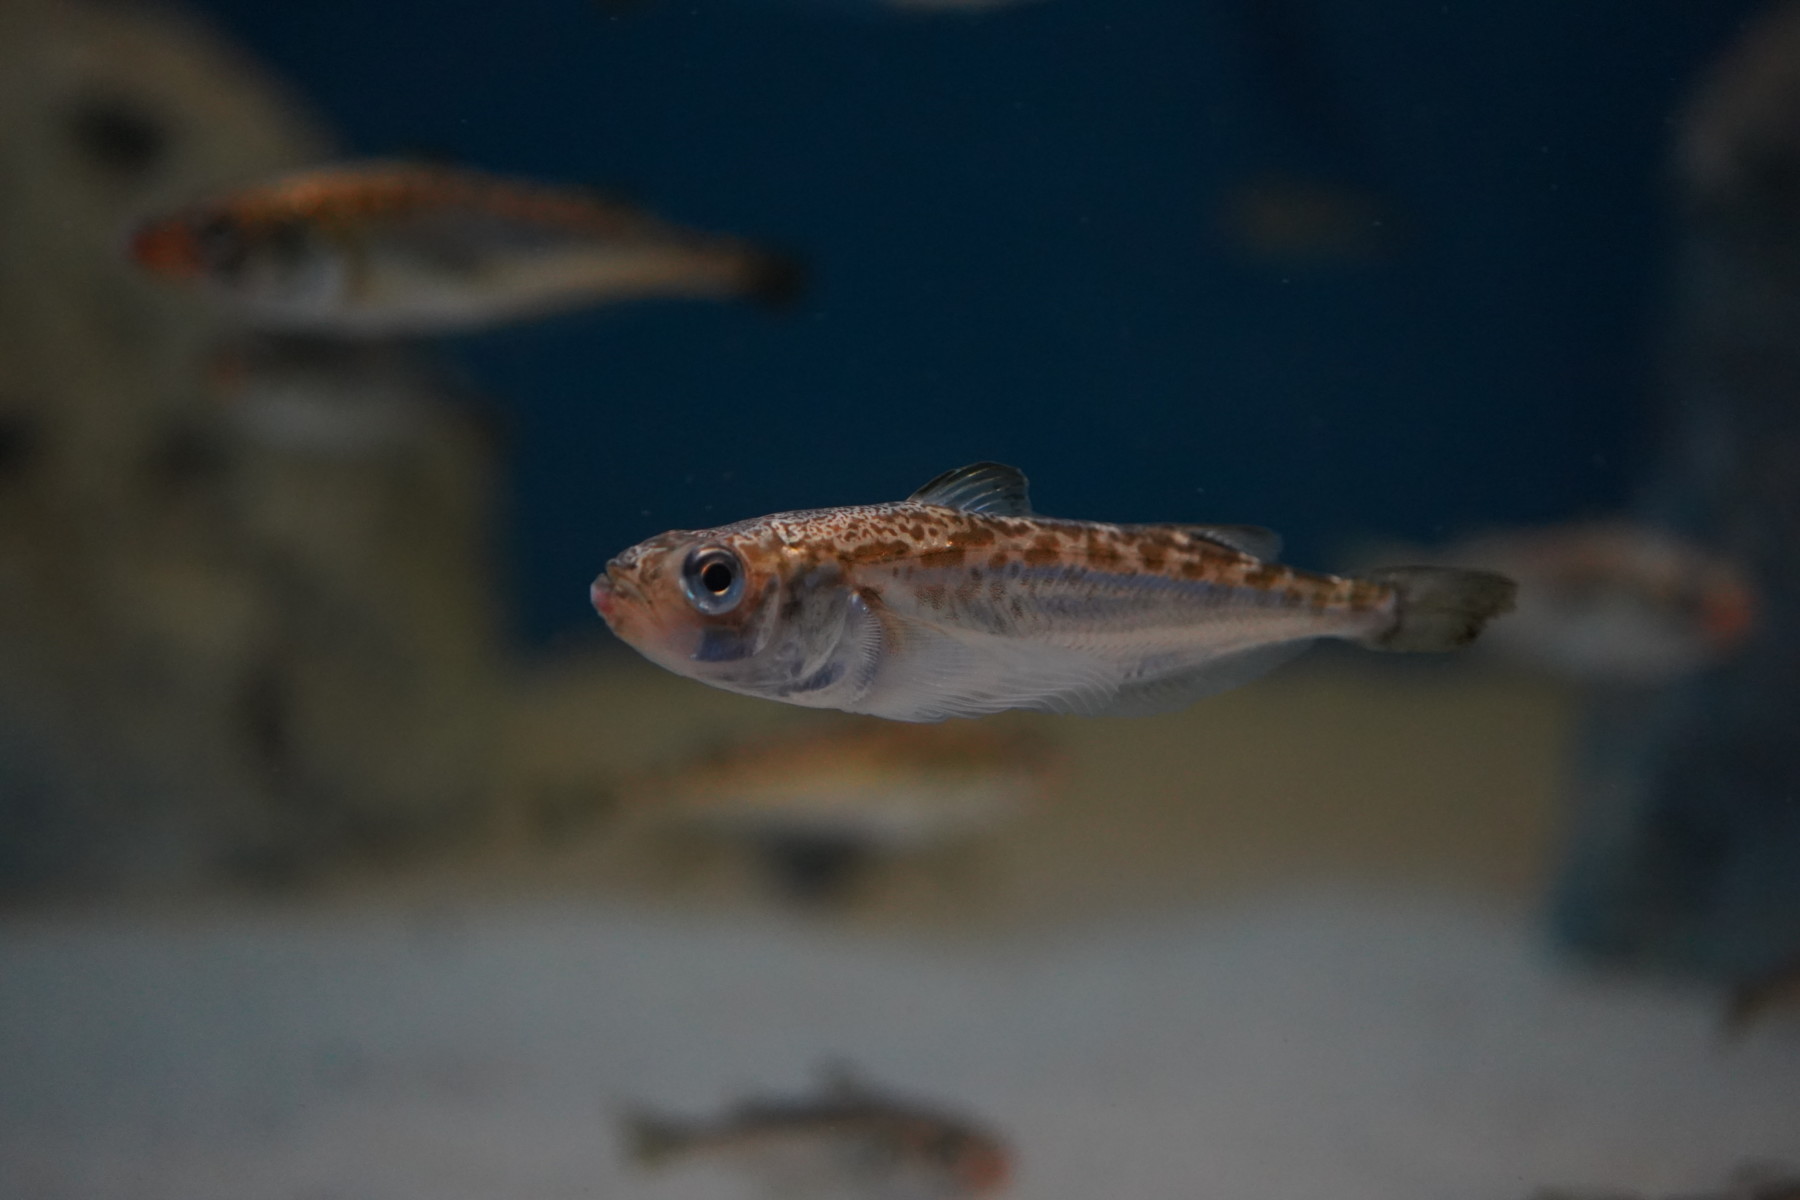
[{"x": 714, "y": 579}]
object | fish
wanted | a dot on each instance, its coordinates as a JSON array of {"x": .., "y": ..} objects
[
  {"x": 819, "y": 803},
  {"x": 1614, "y": 602},
  {"x": 847, "y": 1141},
  {"x": 328, "y": 398},
  {"x": 398, "y": 248},
  {"x": 960, "y": 601}
]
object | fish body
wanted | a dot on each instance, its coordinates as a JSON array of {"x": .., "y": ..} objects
[
  {"x": 818, "y": 805},
  {"x": 1614, "y": 602},
  {"x": 959, "y": 601},
  {"x": 846, "y": 1142},
  {"x": 893, "y": 788},
  {"x": 327, "y": 398},
  {"x": 402, "y": 248}
]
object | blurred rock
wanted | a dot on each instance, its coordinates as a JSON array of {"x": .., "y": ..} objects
[
  {"x": 1687, "y": 850},
  {"x": 218, "y": 650}
]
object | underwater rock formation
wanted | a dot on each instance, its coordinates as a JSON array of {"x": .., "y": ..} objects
[
  {"x": 1687, "y": 845},
  {"x": 217, "y": 647}
]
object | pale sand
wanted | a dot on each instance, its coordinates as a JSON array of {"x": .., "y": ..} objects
[{"x": 1281, "y": 945}]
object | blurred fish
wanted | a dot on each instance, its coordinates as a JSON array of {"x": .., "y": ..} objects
[
  {"x": 1612, "y": 602},
  {"x": 958, "y": 601},
  {"x": 325, "y": 397},
  {"x": 820, "y": 803},
  {"x": 394, "y": 247},
  {"x": 847, "y": 1142}
]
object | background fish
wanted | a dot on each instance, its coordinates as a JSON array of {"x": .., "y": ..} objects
[
  {"x": 958, "y": 601},
  {"x": 820, "y": 802},
  {"x": 1613, "y": 601},
  {"x": 847, "y": 1142},
  {"x": 394, "y": 247}
]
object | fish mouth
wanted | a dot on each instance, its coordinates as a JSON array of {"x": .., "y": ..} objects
[{"x": 608, "y": 589}]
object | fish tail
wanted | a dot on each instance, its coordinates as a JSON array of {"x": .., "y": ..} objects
[
  {"x": 652, "y": 1141},
  {"x": 1439, "y": 608},
  {"x": 772, "y": 279}
]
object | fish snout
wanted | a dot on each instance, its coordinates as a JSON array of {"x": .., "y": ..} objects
[
  {"x": 167, "y": 248},
  {"x": 611, "y": 590}
]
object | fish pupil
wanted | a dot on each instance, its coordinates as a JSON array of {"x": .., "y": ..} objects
[{"x": 716, "y": 578}]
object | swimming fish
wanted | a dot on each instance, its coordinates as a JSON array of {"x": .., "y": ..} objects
[
  {"x": 1613, "y": 601},
  {"x": 819, "y": 803},
  {"x": 847, "y": 1142},
  {"x": 959, "y": 601},
  {"x": 402, "y": 248},
  {"x": 329, "y": 398}
]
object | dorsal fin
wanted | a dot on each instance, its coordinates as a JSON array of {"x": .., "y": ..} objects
[
  {"x": 1253, "y": 540},
  {"x": 983, "y": 487}
]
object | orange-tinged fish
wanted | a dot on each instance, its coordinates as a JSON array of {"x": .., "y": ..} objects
[
  {"x": 1613, "y": 601},
  {"x": 959, "y": 601},
  {"x": 893, "y": 787},
  {"x": 820, "y": 803},
  {"x": 393, "y": 247},
  {"x": 847, "y": 1142}
]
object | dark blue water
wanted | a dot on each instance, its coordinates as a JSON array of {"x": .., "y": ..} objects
[{"x": 1012, "y": 225}]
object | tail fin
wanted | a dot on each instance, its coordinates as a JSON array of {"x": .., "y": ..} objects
[
  {"x": 652, "y": 1141},
  {"x": 774, "y": 280},
  {"x": 1440, "y": 608}
]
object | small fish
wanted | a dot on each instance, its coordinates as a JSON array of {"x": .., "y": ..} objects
[
  {"x": 958, "y": 601},
  {"x": 327, "y": 398},
  {"x": 400, "y": 248},
  {"x": 819, "y": 803},
  {"x": 847, "y": 1142},
  {"x": 1614, "y": 602}
]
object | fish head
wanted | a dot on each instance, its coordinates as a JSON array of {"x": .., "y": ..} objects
[
  {"x": 271, "y": 262},
  {"x": 736, "y": 608}
]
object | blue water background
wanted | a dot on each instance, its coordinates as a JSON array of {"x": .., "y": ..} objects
[{"x": 1011, "y": 221}]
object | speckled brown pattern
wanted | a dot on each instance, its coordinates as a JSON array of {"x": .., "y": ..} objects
[{"x": 908, "y": 536}]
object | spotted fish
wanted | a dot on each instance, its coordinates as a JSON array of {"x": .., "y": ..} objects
[
  {"x": 848, "y": 1143},
  {"x": 405, "y": 248},
  {"x": 959, "y": 601}
]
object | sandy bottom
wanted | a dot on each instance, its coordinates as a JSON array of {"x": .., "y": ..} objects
[{"x": 1282, "y": 945}]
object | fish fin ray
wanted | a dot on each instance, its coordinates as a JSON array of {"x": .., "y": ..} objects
[
  {"x": 1170, "y": 692},
  {"x": 1440, "y": 608},
  {"x": 933, "y": 673},
  {"x": 983, "y": 487}
]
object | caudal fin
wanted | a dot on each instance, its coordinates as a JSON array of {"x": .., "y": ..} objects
[
  {"x": 1440, "y": 608},
  {"x": 772, "y": 279},
  {"x": 652, "y": 1141}
]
